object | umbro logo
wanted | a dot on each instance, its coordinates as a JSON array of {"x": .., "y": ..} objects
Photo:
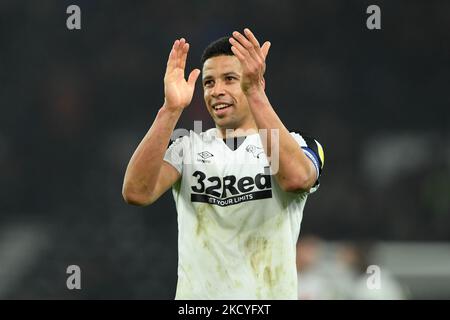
[{"x": 205, "y": 155}]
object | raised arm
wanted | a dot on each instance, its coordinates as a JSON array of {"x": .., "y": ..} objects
[
  {"x": 295, "y": 172},
  {"x": 148, "y": 176}
]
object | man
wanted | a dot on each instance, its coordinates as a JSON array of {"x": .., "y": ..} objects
[{"x": 239, "y": 207}]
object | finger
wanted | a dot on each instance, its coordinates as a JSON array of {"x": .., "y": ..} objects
[
  {"x": 238, "y": 54},
  {"x": 180, "y": 52},
  {"x": 265, "y": 49},
  {"x": 176, "y": 49},
  {"x": 246, "y": 58},
  {"x": 172, "y": 60},
  {"x": 243, "y": 59},
  {"x": 239, "y": 47},
  {"x": 193, "y": 76},
  {"x": 251, "y": 37},
  {"x": 184, "y": 52},
  {"x": 243, "y": 40},
  {"x": 252, "y": 47}
]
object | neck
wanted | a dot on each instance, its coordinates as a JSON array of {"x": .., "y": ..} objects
[{"x": 240, "y": 131}]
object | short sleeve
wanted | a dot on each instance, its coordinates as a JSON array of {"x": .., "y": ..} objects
[
  {"x": 175, "y": 153},
  {"x": 314, "y": 151}
]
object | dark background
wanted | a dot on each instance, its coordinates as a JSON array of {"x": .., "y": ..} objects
[{"x": 75, "y": 104}]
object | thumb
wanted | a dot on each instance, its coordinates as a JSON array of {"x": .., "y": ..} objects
[
  {"x": 193, "y": 76},
  {"x": 265, "y": 48}
]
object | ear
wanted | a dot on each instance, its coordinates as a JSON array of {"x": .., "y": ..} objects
[{"x": 263, "y": 82}]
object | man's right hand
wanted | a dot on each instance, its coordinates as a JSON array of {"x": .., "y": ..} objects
[{"x": 178, "y": 92}]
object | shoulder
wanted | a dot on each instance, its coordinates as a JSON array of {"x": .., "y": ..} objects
[
  {"x": 178, "y": 141},
  {"x": 191, "y": 137}
]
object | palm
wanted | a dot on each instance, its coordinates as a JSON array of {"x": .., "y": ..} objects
[{"x": 178, "y": 92}]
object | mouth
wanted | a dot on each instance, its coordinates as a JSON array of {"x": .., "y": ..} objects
[
  {"x": 221, "y": 106},
  {"x": 220, "y": 109}
]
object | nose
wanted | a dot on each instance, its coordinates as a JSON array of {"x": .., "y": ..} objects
[{"x": 218, "y": 89}]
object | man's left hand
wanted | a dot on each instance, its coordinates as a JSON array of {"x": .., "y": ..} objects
[{"x": 252, "y": 57}]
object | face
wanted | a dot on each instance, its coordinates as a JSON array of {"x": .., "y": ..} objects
[{"x": 223, "y": 95}]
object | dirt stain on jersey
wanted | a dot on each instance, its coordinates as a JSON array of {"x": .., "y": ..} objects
[
  {"x": 220, "y": 269},
  {"x": 203, "y": 220},
  {"x": 280, "y": 222},
  {"x": 258, "y": 250},
  {"x": 268, "y": 277},
  {"x": 238, "y": 284},
  {"x": 271, "y": 276}
]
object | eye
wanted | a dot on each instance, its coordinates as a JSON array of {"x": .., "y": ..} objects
[
  {"x": 230, "y": 78},
  {"x": 208, "y": 83}
]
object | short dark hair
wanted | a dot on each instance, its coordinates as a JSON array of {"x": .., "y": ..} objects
[{"x": 219, "y": 47}]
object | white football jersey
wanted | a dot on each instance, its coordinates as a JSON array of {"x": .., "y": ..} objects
[{"x": 237, "y": 229}]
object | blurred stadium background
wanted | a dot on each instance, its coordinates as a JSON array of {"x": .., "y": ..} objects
[{"x": 75, "y": 104}]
